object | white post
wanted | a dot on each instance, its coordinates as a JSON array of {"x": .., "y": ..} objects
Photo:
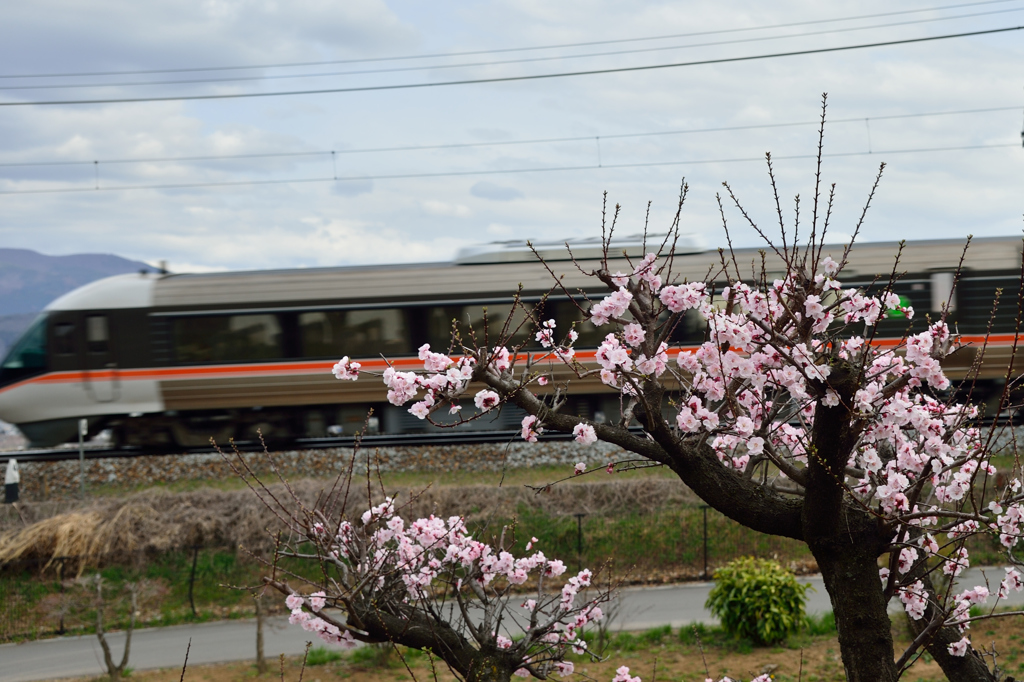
[{"x": 83, "y": 428}]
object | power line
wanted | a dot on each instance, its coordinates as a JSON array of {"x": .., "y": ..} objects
[
  {"x": 463, "y": 145},
  {"x": 505, "y": 62},
  {"x": 512, "y": 171},
  {"x": 509, "y": 79},
  {"x": 507, "y": 49}
]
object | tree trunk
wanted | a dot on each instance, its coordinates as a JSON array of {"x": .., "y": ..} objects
[
  {"x": 489, "y": 669},
  {"x": 865, "y": 636},
  {"x": 261, "y": 660},
  {"x": 115, "y": 672},
  {"x": 846, "y": 542},
  {"x": 108, "y": 659}
]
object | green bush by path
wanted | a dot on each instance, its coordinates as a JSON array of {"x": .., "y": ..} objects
[{"x": 758, "y": 599}]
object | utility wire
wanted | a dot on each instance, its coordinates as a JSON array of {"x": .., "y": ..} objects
[
  {"x": 504, "y": 50},
  {"x": 509, "y": 79},
  {"x": 463, "y": 145},
  {"x": 512, "y": 171},
  {"x": 504, "y": 62}
]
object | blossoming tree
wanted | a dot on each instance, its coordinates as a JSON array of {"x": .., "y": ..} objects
[
  {"x": 428, "y": 585},
  {"x": 787, "y": 419}
]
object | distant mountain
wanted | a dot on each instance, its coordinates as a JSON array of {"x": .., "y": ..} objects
[{"x": 30, "y": 280}]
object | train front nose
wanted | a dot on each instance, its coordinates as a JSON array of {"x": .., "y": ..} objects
[{"x": 25, "y": 361}]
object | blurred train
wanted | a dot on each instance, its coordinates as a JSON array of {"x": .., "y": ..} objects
[{"x": 175, "y": 359}]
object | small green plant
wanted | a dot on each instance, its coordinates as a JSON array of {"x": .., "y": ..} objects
[
  {"x": 825, "y": 624},
  {"x": 319, "y": 655},
  {"x": 758, "y": 599},
  {"x": 656, "y": 635},
  {"x": 372, "y": 655}
]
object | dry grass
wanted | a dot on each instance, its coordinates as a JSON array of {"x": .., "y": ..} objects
[{"x": 156, "y": 521}]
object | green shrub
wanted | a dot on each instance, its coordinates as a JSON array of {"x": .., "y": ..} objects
[{"x": 758, "y": 599}]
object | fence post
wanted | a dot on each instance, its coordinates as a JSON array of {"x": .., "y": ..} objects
[
  {"x": 60, "y": 581},
  {"x": 579, "y": 541},
  {"x": 192, "y": 579},
  {"x": 704, "y": 508},
  {"x": 83, "y": 427}
]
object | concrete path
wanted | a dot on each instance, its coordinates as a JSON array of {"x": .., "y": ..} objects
[{"x": 637, "y": 608}]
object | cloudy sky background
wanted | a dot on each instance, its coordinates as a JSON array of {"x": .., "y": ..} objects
[{"x": 479, "y": 193}]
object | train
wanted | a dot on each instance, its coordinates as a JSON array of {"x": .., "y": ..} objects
[{"x": 172, "y": 360}]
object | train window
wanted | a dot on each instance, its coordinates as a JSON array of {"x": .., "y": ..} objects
[
  {"x": 470, "y": 321},
  {"x": 439, "y": 326},
  {"x": 30, "y": 350},
  {"x": 356, "y": 333},
  {"x": 228, "y": 338},
  {"x": 567, "y": 312},
  {"x": 97, "y": 334},
  {"x": 64, "y": 338}
]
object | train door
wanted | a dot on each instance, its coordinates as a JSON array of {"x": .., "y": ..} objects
[{"x": 101, "y": 377}]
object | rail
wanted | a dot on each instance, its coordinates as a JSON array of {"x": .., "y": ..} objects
[{"x": 452, "y": 437}]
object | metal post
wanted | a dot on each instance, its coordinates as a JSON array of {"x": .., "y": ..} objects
[
  {"x": 579, "y": 541},
  {"x": 704, "y": 508},
  {"x": 60, "y": 580},
  {"x": 192, "y": 578},
  {"x": 83, "y": 427}
]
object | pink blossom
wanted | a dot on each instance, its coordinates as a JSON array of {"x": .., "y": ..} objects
[
  {"x": 486, "y": 400},
  {"x": 564, "y": 668},
  {"x": 683, "y": 297},
  {"x": 908, "y": 555},
  {"x": 293, "y": 602},
  {"x": 960, "y": 647},
  {"x": 420, "y": 410},
  {"x": 531, "y": 429},
  {"x": 584, "y": 434},
  {"x": 346, "y": 369},
  {"x": 633, "y": 334},
  {"x": 579, "y": 468},
  {"x": 317, "y": 600},
  {"x": 622, "y": 675}
]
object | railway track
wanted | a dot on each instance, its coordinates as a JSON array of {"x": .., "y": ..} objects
[
  {"x": 451, "y": 437},
  {"x": 370, "y": 441}
]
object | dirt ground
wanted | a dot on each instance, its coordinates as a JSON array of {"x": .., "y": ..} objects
[{"x": 654, "y": 659}]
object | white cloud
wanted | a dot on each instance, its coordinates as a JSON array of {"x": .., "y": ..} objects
[{"x": 442, "y": 208}]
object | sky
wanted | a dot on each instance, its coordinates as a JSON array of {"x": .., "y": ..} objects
[{"x": 487, "y": 177}]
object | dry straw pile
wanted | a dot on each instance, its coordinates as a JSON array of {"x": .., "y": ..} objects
[{"x": 117, "y": 531}]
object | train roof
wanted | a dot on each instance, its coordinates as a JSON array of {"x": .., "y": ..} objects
[{"x": 478, "y": 276}]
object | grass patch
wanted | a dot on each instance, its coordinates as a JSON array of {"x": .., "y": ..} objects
[{"x": 319, "y": 655}]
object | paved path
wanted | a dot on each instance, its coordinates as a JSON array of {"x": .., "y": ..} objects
[{"x": 638, "y": 609}]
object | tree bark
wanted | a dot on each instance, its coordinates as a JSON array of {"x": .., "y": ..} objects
[
  {"x": 865, "y": 637},
  {"x": 846, "y": 541}
]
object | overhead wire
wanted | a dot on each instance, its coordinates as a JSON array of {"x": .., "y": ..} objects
[
  {"x": 510, "y": 171},
  {"x": 509, "y": 79},
  {"x": 499, "y": 143},
  {"x": 431, "y": 67},
  {"x": 507, "y": 49}
]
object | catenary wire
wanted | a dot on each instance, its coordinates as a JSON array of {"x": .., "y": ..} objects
[
  {"x": 511, "y": 171},
  {"x": 505, "y": 62},
  {"x": 463, "y": 145},
  {"x": 509, "y": 79},
  {"x": 504, "y": 50}
]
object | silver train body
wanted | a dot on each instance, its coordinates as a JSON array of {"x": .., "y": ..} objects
[{"x": 175, "y": 359}]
